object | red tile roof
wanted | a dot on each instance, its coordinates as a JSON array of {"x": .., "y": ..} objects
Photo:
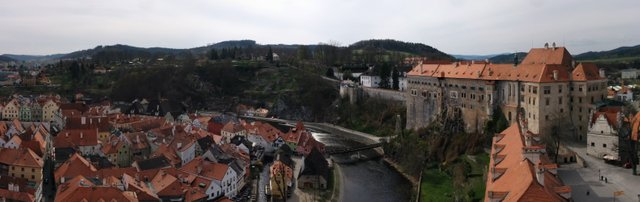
[
  {"x": 513, "y": 178},
  {"x": 74, "y": 166},
  {"x": 16, "y": 196},
  {"x": 610, "y": 114},
  {"x": 207, "y": 168},
  {"x": 586, "y": 72},
  {"x": 540, "y": 66},
  {"x": 76, "y": 137},
  {"x": 20, "y": 157}
]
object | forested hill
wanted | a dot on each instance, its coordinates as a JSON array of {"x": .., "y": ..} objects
[
  {"x": 622, "y": 53},
  {"x": 6, "y": 59},
  {"x": 507, "y": 58},
  {"x": 400, "y": 46},
  {"x": 122, "y": 52}
]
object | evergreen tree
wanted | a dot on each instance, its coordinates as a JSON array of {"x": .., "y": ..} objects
[
  {"x": 213, "y": 55},
  {"x": 223, "y": 53},
  {"x": 395, "y": 76},
  {"x": 269, "y": 55},
  {"x": 384, "y": 75}
]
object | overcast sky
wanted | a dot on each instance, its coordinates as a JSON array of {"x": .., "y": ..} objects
[{"x": 453, "y": 26}]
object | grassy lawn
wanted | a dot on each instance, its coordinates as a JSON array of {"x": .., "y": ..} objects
[
  {"x": 476, "y": 180},
  {"x": 439, "y": 186},
  {"x": 436, "y": 186}
]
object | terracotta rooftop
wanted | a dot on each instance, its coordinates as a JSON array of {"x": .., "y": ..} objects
[
  {"x": 20, "y": 157},
  {"x": 540, "y": 65},
  {"x": 76, "y": 165},
  {"x": 76, "y": 137},
  {"x": 511, "y": 177}
]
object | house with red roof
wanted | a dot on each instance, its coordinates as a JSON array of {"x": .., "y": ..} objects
[
  {"x": 21, "y": 162},
  {"x": 81, "y": 188},
  {"x": 232, "y": 129},
  {"x": 74, "y": 166},
  {"x": 83, "y": 140},
  {"x": 301, "y": 141},
  {"x": 603, "y": 138}
]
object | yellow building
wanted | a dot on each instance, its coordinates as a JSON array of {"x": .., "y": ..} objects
[
  {"x": 11, "y": 110},
  {"x": 49, "y": 108},
  {"x": 281, "y": 178},
  {"x": 22, "y": 163}
]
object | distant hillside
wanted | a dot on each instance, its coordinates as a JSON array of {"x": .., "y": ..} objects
[
  {"x": 33, "y": 57},
  {"x": 507, "y": 58},
  {"x": 475, "y": 57},
  {"x": 400, "y": 46},
  {"x": 6, "y": 59},
  {"x": 622, "y": 54},
  {"x": 123, "y": 52}
]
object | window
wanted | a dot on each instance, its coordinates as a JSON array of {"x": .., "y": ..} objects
[
  {"x": 592, "y": 100},
  {"x": 561, "y": 110},
  {"x": 535, "y": 90},
  {"x": 560, "y": 89},
  {"x": 560, "y": 100},
  {"x": 604, "y": 145},
  {"x": 546, "y": 117},
  {"x": 534, "y": 101},
  {"x": 22, "y": 169},
  {"x": 546, "y": 101},
  {"x": 580, "y": 88},
  {"x": 580, "y": 100},
  {"x": 522, "y": 88},
  {"x": 593, "y": 144},
  {"x": 547, "y": 90}
]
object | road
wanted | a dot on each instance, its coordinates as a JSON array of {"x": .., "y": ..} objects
[{"x": 586, "y": 179}]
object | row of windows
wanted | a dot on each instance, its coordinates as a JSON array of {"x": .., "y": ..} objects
[
  {"x": 22, "y": 169},
  {"x": 33, "y": 177},
  {"x": 447, "y": 85}
]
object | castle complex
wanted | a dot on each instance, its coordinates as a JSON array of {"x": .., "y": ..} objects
[{"x": 548, "y": 87}]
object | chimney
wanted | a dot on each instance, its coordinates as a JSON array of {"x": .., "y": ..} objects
[
  {"x": 515, "y": 59},
  {"x": 540, "y": 173},
  {"x": 602, "y": 75},
  {"x": 83, "y": 120},
  {"x": 546, "y": 45},
  {"x": 199, "y": 169},
  {"x": 99, "y": 120},
  {"x": 137, "y": 138},
  {"x": 573, "y": 64},
  {"x": 554, "y": 45},
  {"x": 555, "y": 75},
  {"x": 179, "y": 145},
  {"x": 81, "y": 135},
  {"x": 66, "y": 134}
]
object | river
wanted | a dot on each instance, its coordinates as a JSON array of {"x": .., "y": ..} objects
[{"x": 365, "y": 180}]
